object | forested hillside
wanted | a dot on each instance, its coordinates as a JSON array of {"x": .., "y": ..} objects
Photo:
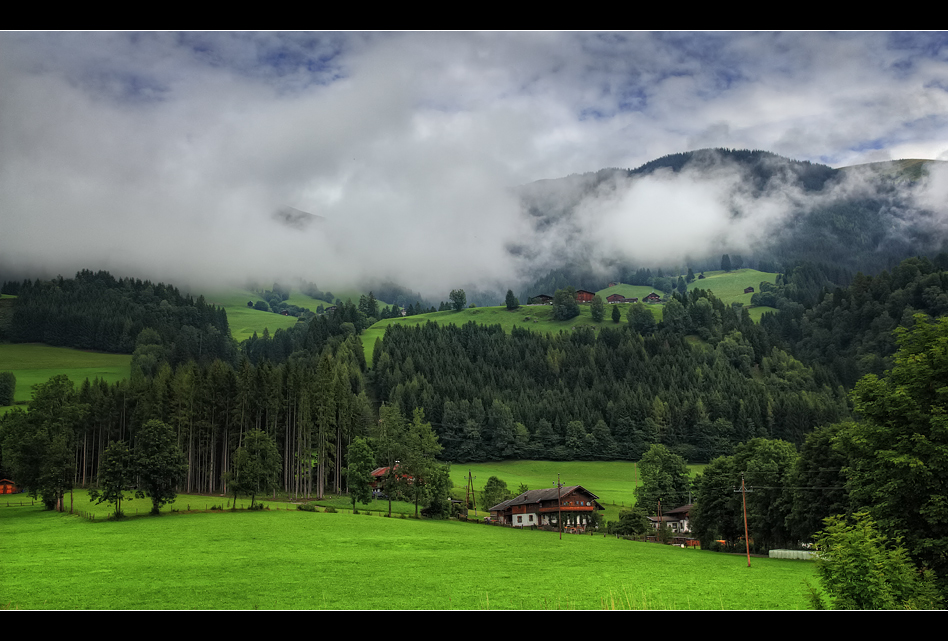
[{"x": 576, "y": 395}]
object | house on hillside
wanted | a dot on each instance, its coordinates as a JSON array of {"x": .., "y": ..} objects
[
  {"x": 541, "y": 299},
  {"x": 615, "y": 298},
  {"x": 539, "y": 508},
  {"x": 653, "y": 298},
  {"x": 748, "y": 290},
  {"x": 583, "y": 296},
  {"x": 8, "y": 487}
]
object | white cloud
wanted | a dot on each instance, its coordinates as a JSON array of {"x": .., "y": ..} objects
[{"x": 163, "y": 154}]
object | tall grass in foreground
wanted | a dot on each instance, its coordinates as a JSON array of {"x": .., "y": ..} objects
[{"x": 302, "y": 560}]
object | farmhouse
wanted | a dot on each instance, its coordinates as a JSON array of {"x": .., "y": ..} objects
[
  {"x": 541, "y": 299},
  {"x": 583, "y": 296},
  {"x": 615, "y": 298},
  {"x": 539, "y": 508},
  {"x": 8, "y": 487},
  {"x": 677, "y": 519},
  {"x": 653, "y": 298},
  {"x": 748, "y": 290},
  {"x": 379, "y": 473}
]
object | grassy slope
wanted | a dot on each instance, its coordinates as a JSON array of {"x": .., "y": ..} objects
[
  {"x": 244, "y": 321},
  {"x": 34, "y": 363},
  {"x": 729, "y": 287},
  {"x": 301, "y": 560}
]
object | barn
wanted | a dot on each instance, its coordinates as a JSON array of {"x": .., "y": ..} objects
[{"x": 583, "y": 296}]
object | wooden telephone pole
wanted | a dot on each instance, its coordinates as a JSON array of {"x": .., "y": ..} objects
[{"x": 744, "y": 490}]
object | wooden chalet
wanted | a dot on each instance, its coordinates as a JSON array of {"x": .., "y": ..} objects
[
  {"x": 542, "y": 299},
  {"x": 748, "y": 290},
  {"x": 539, "y": 508},
  {"x": 8, "y": 487},
  {"x": 653, "y": 298},
  {"x": 615, "y": 298},
  {"x": 583, "y": 296}
]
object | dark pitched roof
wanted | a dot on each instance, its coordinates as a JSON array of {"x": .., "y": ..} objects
[
  {"x": 684, "y": 509},
  {"x": 536, "y": 496}
]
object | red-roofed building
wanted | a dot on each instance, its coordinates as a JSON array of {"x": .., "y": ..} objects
[{"x": 583, "y": 296}]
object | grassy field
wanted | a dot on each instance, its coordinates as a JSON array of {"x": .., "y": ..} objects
[
  {"x": 34, "y": 363},
  {"x": 299, "y": 560}
]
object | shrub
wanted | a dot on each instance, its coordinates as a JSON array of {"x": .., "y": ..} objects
[
  {"x": 330, "y": 510},
  {"x": 861, "y": 569},
  {"x": 306, "y": 507}
]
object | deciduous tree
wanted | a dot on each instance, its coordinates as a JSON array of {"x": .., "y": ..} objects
[
  {"x": 899, "y": 447},
  {"x": 116, "y": 476},
  {"x": 160, "y": 464},
  {"x": 860, "y": 569},
  {"x": 495, "y": 492},
  {"x": 256, "y": 465},
  {"x": 459, "y": 298},
  {"x": 359, "y": 471},
  {"x": 664, "y": 478}
]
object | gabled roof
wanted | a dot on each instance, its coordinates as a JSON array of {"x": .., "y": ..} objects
[
  {"x": 683, "y": 510},
  {"x": 536, "y": 496}
]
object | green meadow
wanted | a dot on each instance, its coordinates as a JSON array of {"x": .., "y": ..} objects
[
  {"x": 244, "y": 321},
  {"x": 35, "y": 363},
  {"x": 293, "y": 560}
]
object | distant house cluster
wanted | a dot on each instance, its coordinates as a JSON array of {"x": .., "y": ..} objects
[{"x": 584, "y": 296}]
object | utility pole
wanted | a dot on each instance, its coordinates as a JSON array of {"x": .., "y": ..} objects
[
  {"x": 559, "y": 507},
  {"x": 471, "y": 495},
  {"x": 744, "y": 490}
]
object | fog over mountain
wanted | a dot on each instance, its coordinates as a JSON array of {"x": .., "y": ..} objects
[{"x": 167, "y": 155}]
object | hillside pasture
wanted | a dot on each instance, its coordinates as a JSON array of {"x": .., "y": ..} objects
[
  {"x": 244, "y": 321},
  {"x": 536, "y": 318},
  {"x": 730, "y": 286},
  {"x": 35, "y": 363},
  {"x": 292, "y": 560}
]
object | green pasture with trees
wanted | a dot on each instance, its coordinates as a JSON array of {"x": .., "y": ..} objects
[
  {"x": 296, "y": 560},
  {"x": 841, "y": 386}
]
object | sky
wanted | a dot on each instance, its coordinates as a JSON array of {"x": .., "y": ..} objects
[{"x": 163, "y": 155}]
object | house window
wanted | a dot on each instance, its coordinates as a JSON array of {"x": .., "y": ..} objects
[
  {"x": 519, "y": 519},
  {"x": 531, "y": 518}
]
